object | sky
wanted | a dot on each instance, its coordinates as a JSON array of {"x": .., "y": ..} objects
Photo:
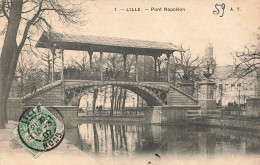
[{"x": 194, "y": 28}]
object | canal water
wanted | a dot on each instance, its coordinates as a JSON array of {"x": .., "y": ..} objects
[{"x": 112, "y": 140}]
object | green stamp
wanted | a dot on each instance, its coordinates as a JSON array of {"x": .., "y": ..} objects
[{"x": 39, "y": 130}]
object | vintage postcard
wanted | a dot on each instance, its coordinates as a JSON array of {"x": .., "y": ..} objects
[{"x": 127, "y": 82}]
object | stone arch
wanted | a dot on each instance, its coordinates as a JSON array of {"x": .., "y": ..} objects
[{"x": 150, "y": 98}]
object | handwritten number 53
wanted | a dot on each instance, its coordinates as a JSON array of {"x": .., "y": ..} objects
[{"x": 218, "y": 7}]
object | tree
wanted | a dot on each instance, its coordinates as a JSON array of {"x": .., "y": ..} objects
[
  {"x": 146, "y": 68},
  {"x": 22, "y": 69},
  {"x": 82, "y": 65},
  {"x": 209, "y": 65},
  {"x": 27, "y": 17},
  {"x": 27, "y": 61},
  {"x": 130, "y": 61},
  {"x": 114, "y": 62},
  {"x": 187, "y": 68},
  {"x": 162, "y": 69},
  {"x": 247, "y": 62},
  {"x": 46, "y": 62}
]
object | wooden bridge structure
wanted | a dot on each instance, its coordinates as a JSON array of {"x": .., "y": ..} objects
[{"x": 63, "y": 92}]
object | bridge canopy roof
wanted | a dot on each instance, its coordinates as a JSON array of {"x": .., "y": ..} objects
[{"x": 105, "y": 44}]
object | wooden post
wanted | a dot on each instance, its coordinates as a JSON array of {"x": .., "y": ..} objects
[
  {"x": 112, "y": 100},
  {"x": 136, "y": 67},
  {"x": 155, "y": 67},
  {"x": 137, "y": 104},
  {"x": 62, "y": 65},
  {"x": 90, "y": 52},
  {"x": 125, "y": 79},
  {"x": 168, "y": 68},
  {"x": 144, "y": 78},
  {"x": 101, "y": 66},
  {"x": 124, "y": 57},
  {"x": 52, "y": 69},
  {"x": 62, "y": 75},
  {"x": 95, "y": 93},
  {"x": 124, "y": 98}
]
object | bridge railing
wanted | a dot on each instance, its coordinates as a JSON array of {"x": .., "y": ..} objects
[
  {"x": 97, "y": 77},
  {"x": 111, "y": 77},
  {"x": 82, "y": 76},
  {"x": 153, "y": 79}
]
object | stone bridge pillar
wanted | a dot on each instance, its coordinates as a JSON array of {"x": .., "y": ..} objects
[
  {"x": 175, "y": 114},
  {"x": 206, "y": 97},
  {"x": 187, "y": 88}
]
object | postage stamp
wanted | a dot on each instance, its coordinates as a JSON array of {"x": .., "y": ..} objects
[{"x": 39, "y": 130}]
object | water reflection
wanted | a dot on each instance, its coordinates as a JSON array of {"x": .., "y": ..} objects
[{"x": 111, "y": 139}]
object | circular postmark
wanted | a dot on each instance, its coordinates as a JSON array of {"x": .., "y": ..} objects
[{"x": 40, "y": 130}]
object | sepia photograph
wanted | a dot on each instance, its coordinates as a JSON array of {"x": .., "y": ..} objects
[{"x": 129, "y": 82}]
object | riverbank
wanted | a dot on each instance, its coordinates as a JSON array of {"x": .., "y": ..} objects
[
  {"x": 237, "y": 122},
  {"x": 12, "y": 153},
  {"x": 112, "y": 119},
  {"x": 233, "y": 122}
]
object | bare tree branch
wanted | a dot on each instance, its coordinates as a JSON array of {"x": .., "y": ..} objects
[
  {"x": 4, "y": 30},
  {"x": 28, "y": 11},
  {"x": 247, "y": 61},
  {"x": 45, "y": 21},
  {"x": 28, "y": 25},
  {"x": 3, "y": 7}
]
